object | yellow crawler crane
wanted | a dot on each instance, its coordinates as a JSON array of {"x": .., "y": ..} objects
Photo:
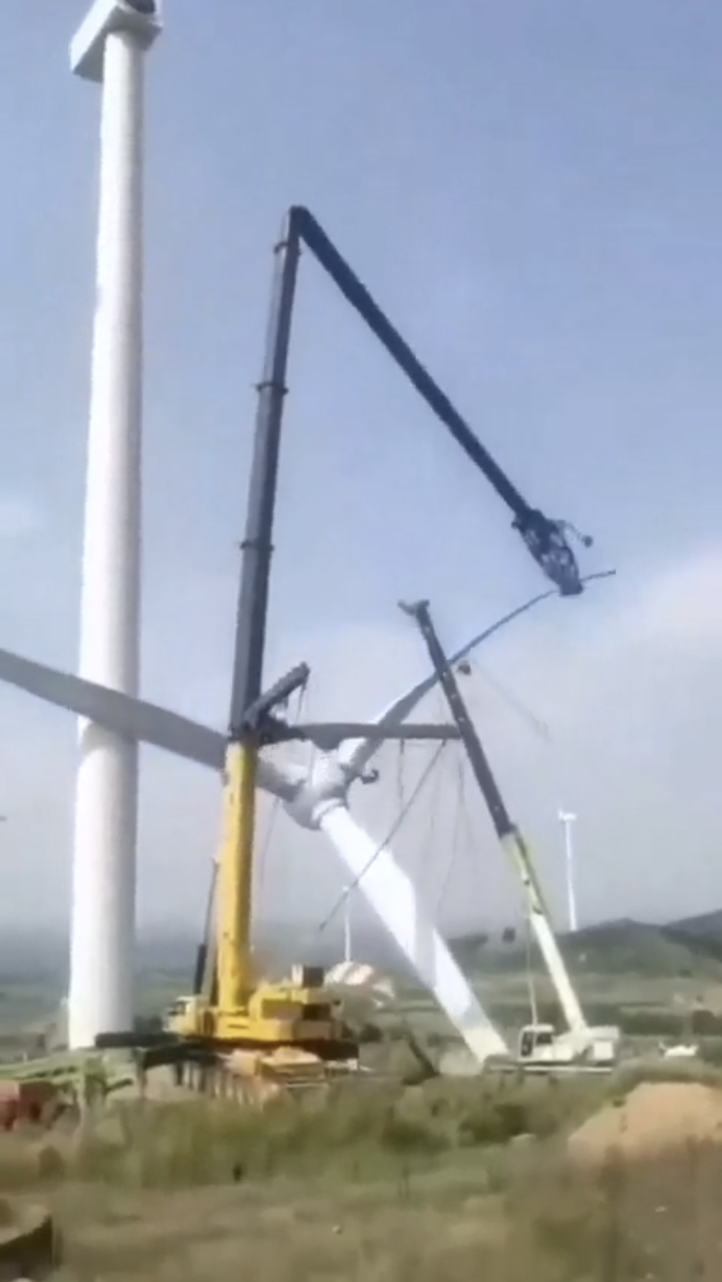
[
  {"x": 235, "y": 1024},
  {"x": 235, "y": 1021}
]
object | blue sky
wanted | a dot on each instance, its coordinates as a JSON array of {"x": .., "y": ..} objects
[{"x": 533, "y": 192}]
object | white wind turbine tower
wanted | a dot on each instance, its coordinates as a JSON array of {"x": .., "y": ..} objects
[
  {"x": 567, "y": 820},
  {"x": 109, "y": 49}
]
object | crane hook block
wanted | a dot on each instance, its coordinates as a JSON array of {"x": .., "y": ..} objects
[{"x": 547, "y": 542}]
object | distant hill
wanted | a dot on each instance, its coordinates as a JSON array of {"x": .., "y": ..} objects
[
  {"x": 704, "y": 925},
  {"x": 691, "y": 946},
  {"x": 701, "y": 934},
  {"x": 633, "y": 947}
]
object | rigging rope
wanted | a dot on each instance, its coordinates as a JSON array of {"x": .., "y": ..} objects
[
  {"x": 441, "y": 711},
  {"x": 425, "y": 855},
  {"x": 400, "y": 776},
  {"x": 398, "y": 822},
  {"x": 459, "y": 816},
  {"x": 512, "y": 700}
]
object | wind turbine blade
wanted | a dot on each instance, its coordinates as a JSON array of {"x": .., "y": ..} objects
[
  {"x": 119, "y": 713},
  {"x": 137, "y": 719},
  {"x": 391, "y": 894}
]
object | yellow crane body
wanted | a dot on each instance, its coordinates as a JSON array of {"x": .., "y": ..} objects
[{"x": 245, "y": 1011}]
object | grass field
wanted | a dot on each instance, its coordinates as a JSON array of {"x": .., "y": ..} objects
[
  {"x": 461, "y": 1223},
  {"x": 452, "y": 1180},
  {"x": 449, "y": 1182}
]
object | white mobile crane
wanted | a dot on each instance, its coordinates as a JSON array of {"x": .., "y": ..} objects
[{"x": 540, "y": 1046}]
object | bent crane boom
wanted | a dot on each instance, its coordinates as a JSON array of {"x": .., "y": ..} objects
[{"x": 545, "y": 538}]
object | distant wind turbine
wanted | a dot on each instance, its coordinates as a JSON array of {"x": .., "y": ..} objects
[{"x": 567, "y": 821}]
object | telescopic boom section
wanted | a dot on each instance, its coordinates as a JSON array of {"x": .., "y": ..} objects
[
  {"x": 235, "y": 873},
  {"x": 545, "y": 539},
  {"x": 510, "y": 839},
  {"x": 257, "y": 546}
]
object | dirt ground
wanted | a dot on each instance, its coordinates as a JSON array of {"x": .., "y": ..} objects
[{"x": 653, "y": 1118}]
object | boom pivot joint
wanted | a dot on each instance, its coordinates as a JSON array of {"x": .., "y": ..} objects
[{"x": 258, "y": 720}]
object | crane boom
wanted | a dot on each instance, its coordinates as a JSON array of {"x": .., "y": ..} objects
[
  {"x": 545, "y": 539},
  {"x": 356, "y": 293},
  {"x": 510, "y": 838},
  {"x": 257, "y": 546}
]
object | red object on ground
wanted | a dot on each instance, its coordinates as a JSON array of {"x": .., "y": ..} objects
[{"x": 24, "y": 1102}]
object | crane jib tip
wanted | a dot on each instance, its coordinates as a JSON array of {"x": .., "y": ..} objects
[{"x": 547, "y": 542}]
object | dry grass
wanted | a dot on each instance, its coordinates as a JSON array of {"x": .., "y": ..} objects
[
  {"x": 355, "y": 1132},
  {"x": 536, "y": 1218},
  {"x": 382, "y": 1185}
]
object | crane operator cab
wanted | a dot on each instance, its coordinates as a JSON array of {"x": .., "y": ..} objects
[
  {"x": 541, "y": 1045},
  {"x": 536, "y": 1040},
  {"x": 547, "y": 541}
]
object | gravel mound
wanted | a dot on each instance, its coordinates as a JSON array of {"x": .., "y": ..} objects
[{"x": 653, "y": 1118}]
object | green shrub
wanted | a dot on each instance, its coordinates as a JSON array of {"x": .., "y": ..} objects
[{"x": 399, "y": 1134}]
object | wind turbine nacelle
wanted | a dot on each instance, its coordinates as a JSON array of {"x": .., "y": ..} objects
[{"x": 140, "y": 18}]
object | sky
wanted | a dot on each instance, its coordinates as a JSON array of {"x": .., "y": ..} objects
[{"x": 533, "y": 192}]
